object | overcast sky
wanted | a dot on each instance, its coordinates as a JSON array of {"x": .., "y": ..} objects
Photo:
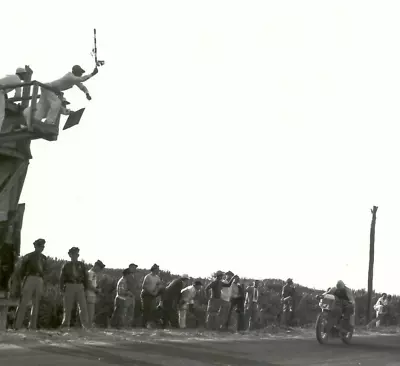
[{"x": 245, "y": 136}]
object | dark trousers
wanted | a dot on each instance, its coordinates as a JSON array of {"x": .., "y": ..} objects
[
  {"x": 238, "y": 305},
  {"x": 148, "y": 307},
  {"x": 169, "y": 313},
  {"x": 118, "y": 318},
  {"x": 345, "y": 308}
]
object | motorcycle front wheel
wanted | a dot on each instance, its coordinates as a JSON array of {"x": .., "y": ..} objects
[{"x": 322, "y": 320}]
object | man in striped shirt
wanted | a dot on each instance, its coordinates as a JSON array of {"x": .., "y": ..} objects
[
  {"x": 187, "y": 301},
  {"x": 123, "y": 295},
  {"x": 93, "y": 290}
]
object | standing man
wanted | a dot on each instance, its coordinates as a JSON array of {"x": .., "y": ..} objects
[
  {"x": 49, "y": 103},
  {"x": 123, "y": 296},
  {"x": 237, "y": 303},
  {"x": 73, "y": 285},
  {"x": 93, "y": 290},
  {"x": 287, "y": 299},
  {"x": 32, "y": 270},
  {"x": 381, "y": 309},
  {"x": 20, "y": 75},
  {"x": 150, "y": 290},
  {"x": 187, "y": 301},
  {"x": 130, "y": 302},
  {"x": 170, "y": 300},
  {"x": 215, "y": 302},
  {"x": 226, "y": 302},
  {"x": 251, "y": 304}
]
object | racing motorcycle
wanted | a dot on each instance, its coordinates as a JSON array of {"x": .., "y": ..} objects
[{"x": 331, "y": 309}]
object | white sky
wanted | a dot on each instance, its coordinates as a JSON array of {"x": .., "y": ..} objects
[{"x": 249, "y": 136}]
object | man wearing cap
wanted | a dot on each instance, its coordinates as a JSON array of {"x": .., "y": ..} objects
[
  {"x": 130, "y": 302},
  {"x": 73, "y": 285},
  {"x": 170, "y": 300},
  {"x": 226, "y": 293},
  {"x": 123, "y": 295},
  {"x": 287, "y": 299},
  {"x": 150, "y": 290},
  {"x": 31, "y": 272},
  {"x": 215, "y": 302},
  {"x": 187, "y": 301},
  {"x": 93, "y": 290},
  {"x": 49, "y": 103},
  {"x": 20, "y": 75}
]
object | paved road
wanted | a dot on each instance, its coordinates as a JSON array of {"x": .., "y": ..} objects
[{"x": 365, "y": 351}]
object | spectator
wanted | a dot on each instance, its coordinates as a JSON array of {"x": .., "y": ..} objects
[
  {"x": 130, "y": 302},
  {"x": 381, "y": 308},
  {"x": 237, "y": 303},
  {"x": 226, "y": 302},
  {"x": 32, "y": 270},
  {"x": 93, "y": 290},
  {"x": 150, "y": 290},
  {"x": 215, "y": 302},
  {"x": 171, "y": 298},
  {"x": 73, "y": 286},
  {"x": 187, "y": 301},
  {"x": 287, "y": 299},
  {"x": 251, "y": 304},
  {"x": 123, "y": 296}
]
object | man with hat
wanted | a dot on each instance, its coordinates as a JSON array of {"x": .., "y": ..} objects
[
  {"x": 31, "y": 272},
  {"x": 150, "y": 290},
  {"x": 226, "y": 294},
  {"x": 73, "y": 285},
  {"x": 287, "y": 299},
  {"x": 215, "y": 302},
  {"x": 130, "y": 302},
  {"x": 171, "y": 298},
  {"x": 49, "y": 104},
  {"x": 20, "y": 75},
  {"x": 93, "y": 290}
]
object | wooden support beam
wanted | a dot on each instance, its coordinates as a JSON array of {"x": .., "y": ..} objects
[{"x": 16, "y": 99}]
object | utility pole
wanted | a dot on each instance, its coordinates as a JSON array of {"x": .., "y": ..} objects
[{"x": 371, "y": 263}]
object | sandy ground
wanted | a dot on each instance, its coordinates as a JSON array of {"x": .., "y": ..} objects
[{"x": 173, "y": 348}]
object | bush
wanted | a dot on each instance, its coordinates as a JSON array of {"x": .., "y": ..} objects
[{"x": 306, "y": 304}]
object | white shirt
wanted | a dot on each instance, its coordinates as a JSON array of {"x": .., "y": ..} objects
[
  {"x": 379, "y": 305},
  {"x": 188, "y": 294},
  {"x": 68, "y": 81},
  {"x": 151, "y": 282},
  {"x": 10, "y": 80},
  {"x": 234, "y": 290},
  {"x": 226, "y": 293},
  {"x": 92, "y": 279}
]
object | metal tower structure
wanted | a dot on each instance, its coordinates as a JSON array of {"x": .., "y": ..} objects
[{"x": 16, "y": 136}]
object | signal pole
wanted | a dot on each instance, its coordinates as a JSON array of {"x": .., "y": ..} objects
[{"x": 371, "y": 263}]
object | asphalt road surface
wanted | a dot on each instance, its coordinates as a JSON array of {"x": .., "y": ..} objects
[{"x": 365, "y": 351}]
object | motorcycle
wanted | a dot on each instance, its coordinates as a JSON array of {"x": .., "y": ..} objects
[{"x": 331, "y": 307}]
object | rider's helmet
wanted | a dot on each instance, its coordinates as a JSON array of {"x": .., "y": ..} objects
[{"x": 340, "y": 284}]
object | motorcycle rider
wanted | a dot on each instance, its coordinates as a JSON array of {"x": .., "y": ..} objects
[{"x": 347, "y": 300}]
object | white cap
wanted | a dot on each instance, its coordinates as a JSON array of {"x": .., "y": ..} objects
[
  {"x": 185, "y": 275},
  {"x": 20, "y": 70}
]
